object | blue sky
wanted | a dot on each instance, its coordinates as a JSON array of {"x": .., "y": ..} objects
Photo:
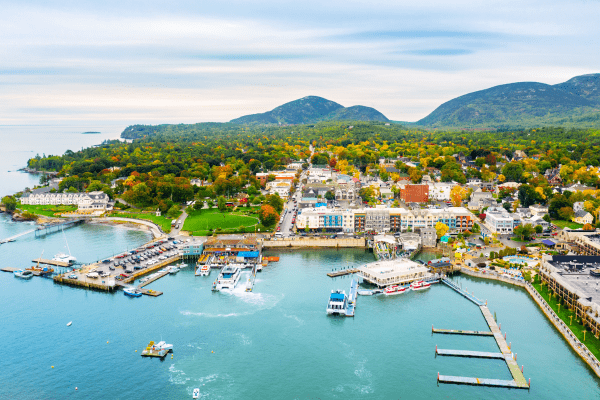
[{"x": 78, "y": 62}]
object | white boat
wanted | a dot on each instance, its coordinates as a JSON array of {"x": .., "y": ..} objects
[
  {"x": 144, "y": 280},
  {"x": 228, "y": 278},
  {"x": 62, "y": 257},
  {"x": 395, "y": 289},
  {"x": 182, "y": 265},
  {"x": 196, "y": 394},
  {"x": 338, "y": 302},
  {"x": 132, "y": 292},
  {"x": 162, "y": 345},
  {"x": 70, "y": 323},
  {"x": 203, "y": 270},
  {"x": 365, "y": 292},
  {"x": 23, "y": 274},
  {"x": 420, "y": 285},
  {"x": 173, "y": 270}
]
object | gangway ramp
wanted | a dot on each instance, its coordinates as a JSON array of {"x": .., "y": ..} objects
[{"x": 12, "y": 238}]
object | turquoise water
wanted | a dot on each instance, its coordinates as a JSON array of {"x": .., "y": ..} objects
[{"x": 276, "y": 342}]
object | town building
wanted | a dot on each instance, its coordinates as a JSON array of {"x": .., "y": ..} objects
[
  {"x": 85, "y": 201},
  {"x": 499, "y": 220},
  {"x": 583, "y": 217},
  {"x": 440, "y": 191},
  {"x": 399, "y": 271},
  {"x": 263, "y": 177},
  {"x": 414, "y": 193}
]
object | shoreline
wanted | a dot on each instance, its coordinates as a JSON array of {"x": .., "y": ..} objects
[{"x": 576, "y": 345}]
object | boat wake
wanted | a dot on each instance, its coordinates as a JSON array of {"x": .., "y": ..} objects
[
  {"x": 209, "y": 315},
  {"x": 177, "y": 376}
]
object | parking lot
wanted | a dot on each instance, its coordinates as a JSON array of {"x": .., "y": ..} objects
[{"x": 123, "y": 265}]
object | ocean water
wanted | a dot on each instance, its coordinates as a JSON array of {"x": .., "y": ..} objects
[
  {"x": 20, "y": 143},
  {"x": 274, "y": 343}
]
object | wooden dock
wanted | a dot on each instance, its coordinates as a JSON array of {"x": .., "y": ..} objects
[
  {"x": 150, "y": 292},
  {"x": 463, "y": 380},
  {"x": 460, "y": 332},
  {"x": 9, "y": 269},
  {"x": 155, "y": 277},
  {"x": 51, "y": 262},
  {"x": 468, "y": 353},
  {"x": 342, "y": 272}
]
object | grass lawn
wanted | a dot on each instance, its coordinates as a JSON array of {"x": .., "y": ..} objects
[
  {"x": 163, "y": 222},
  {"x": 566, "y": 224},
  {"x": 590, "y": 342},
  {"x": 46, "y": 210},
  {"x": 199, "y": 222}
]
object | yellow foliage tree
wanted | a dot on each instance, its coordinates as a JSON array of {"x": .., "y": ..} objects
[
  {"x": 501, "y": 178},
  {"x": 441, "y": 229},
  {"x": 457, "y": 194}
]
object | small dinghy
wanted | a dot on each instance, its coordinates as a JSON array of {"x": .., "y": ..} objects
[{"x": 70, "y": 323}]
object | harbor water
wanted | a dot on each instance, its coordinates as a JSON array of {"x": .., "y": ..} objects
[{"x": 275, "y": 342}]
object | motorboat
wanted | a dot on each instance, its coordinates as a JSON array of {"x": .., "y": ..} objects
[
  {"x": 162, "y": 345},
  {"x": 182, "y": 265},
  {"x": 395, "y": 289},
  {"x": 338, "y": 302},
  {"x": 196, "y": 394},
  {"x": 132, "y": 292},
  {"x": 365, "y": 292},
  {"x": 204, "y": 270},
  {"x": 420, "y": 285},
  {"x": 23, "y": 274},
  {"x": 173, "y": 270},
  {"x": 144, "y": 280},
  {"x": 228, "y": 278}
]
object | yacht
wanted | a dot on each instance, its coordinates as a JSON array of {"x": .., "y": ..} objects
[
  {"x": 163, "y": 346},
  {"x": 132, "y": 292},
  {"x": 395, "y": 289},
  {"x": 420, "y": 285},
  {"x": 23, "y": 274},
  {"x": 338, "y": 302},
  {"x": 228, "y": 278},
  {"x": 67, "y": 258}
]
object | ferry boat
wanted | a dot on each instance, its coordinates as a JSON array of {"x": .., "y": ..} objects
[
  {"x": 338, "y": 302},
  {"x": 132, "y": 292},
  {"x": 420, "y": 285},
  {"x": 228, "y": 278},
  {"x": 395, "y": 289},
  {"x": 204, "y": 270},
  {"x": 23, "y": 274}
]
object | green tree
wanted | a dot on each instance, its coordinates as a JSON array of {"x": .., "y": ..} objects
[
  {"x": 9, "y": 203},
  {"x": 524, "y": 231},
  {"x": 267, "y": 215},
  {"x": 329, "y": 195},
  {"x": 173, "y": 211},
  {"x": 539, "y": 229},
  {"x": 221, "y": 203},
  {"x": 275, "y": 201}
]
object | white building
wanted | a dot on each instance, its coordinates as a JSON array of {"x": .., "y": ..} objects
[
  {"x": 85, "y": 201},
  {"x": 440, "y": 191},
  {"x": 282, "y": 188},
  {"x": 399, "y": 271},
  {"x": 499, "y": 220}
]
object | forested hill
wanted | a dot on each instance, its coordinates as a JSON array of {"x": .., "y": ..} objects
[
  {"x": 312, "y": 109},
  {"x": 575, "y": 103}
]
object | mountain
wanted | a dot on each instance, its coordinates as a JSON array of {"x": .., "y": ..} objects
[
  {"x": 524, "y": 104},
  {"x": 311, "y": 109}
]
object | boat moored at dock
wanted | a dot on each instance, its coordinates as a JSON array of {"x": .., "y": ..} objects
[
  {"x": 338, "y": 302},
  {"x": 203, "y": 270},
  {"x": 420, "y": 285},
  {"x": 395, "y": 289},
  {"x": 132, "y": 292},
  {"x": 23, "y": 274},
  {"x": 159, "y": 349},
  {"x": 228, "y": 278}
]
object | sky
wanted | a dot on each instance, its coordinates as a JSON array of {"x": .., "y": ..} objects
[{"x": 128, "y": 62}]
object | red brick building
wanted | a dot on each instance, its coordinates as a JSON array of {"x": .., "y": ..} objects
[{"x": 415, "y": 193}]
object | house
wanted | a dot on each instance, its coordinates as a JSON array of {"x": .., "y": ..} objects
[
  {"x": 282, "y": 188},
  {"x": 477, "y": 199},
  {"x": 85, "y": 201},
  {"x": 499, "y": 220},
  {"x": 535, "y": 221},
  {"x": 553, "y": 176},
  {"x": 519, "y": 155},
  {"x": 386, "y": 194},
  {"x": 440, "y": 191},
  {"x": 583, "y": 217},
  {"x": 538, "y": 209},
  {"x": 414, "y": 193},
  {"x": 578, "y": 206}
]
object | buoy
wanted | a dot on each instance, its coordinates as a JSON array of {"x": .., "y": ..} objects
[
  {"x": 107, "y": 341},
  {"x": 136, "y": 351},
  {"x": 521, "y": 369},
  {"x": 52, "y": 366},
  {"x": 212, "y": 351},
  {"x": 76, "y": 388},
  {"x": 530, "y": 382}
]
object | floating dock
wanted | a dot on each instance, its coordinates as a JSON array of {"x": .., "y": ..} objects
[
  {"x": 9, "y": 269},
  {"x": 150, "y": 351},
  {"x": 155, "y": 277},
  {"x": 463, "y": 380},
  {"x": 51, "y": 262},
  {"x": 352, "y": 298},
  {"x": 460, "y": 332},
  {"x": 342, "y": 272},
  {"x": 468, "y": 353}
]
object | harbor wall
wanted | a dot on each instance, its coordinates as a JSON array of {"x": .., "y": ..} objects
[
  {"x": 492, "y": 275},
  {"x": 313, "y": 242}
]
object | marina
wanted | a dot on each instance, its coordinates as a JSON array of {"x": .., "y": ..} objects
[
  {"x": 459, "y": 332},
  {"x": 467, "y": 353}
]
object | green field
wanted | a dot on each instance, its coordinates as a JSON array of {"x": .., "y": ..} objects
[
  {"x": 576, "y": 327},
  {"x": 163, "y": 222},
  {"x": 199, "y": 222},
  {"x": 566, "y": 224},
  {"x": 46, "y": 210}
]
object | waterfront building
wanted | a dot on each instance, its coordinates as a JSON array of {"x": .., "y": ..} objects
[
  {"x": 85, "y": 201},
  {"x": 575, "y": 280},
  {"x": 399, "y": 271}
]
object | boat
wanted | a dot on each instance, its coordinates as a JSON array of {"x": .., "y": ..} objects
[
  {"x": 144, "y": 279},
  {"x": 173, "y": 270},
  {"x": 62, "y": 257},
  {"x": 365, "y": 292},
  {"x": 228, "y": 278},
  {"x": 420, "y": 285},
  {"x": 70, "y": 323},
  {"x": 204, "y": 270},
  {"x": 182, "y": 265},
  {"x": 395, "y": 289},
  {"x": 162, "y": 345},
  {"x": 23, "y": 274},
  {"x": 196, "y": 394},
  {"x": 132, "y": 292},
  {"x": 338, "y": 302}
]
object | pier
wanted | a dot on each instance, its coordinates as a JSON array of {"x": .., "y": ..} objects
[
  {"x": 46, "y": 230},
  {"x": 9, "y": 269},
  {"x": 51, "y": 262},
  {"x": 461, "y": 332},
  {"x": 462, "y": 292},
  {"x": 251, "y": 279},
  {"x": 342, "y": 272},
  {"x": 352, "y": 298},
  {"x": 468, "y": 353},
  {"x": 464, "y": 380}
]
